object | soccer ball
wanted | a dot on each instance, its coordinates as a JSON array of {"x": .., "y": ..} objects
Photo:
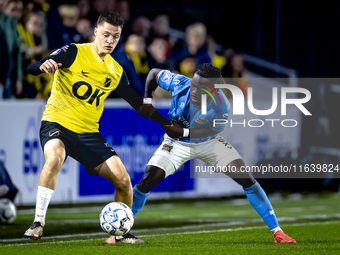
[
  {"x": 8, "y": 211},
  {"x": 116, "y": 219}
]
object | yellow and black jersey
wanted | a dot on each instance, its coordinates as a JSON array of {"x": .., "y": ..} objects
[{"x": 80, "y": 86}]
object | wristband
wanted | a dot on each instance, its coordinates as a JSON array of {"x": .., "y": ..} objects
[
  {"x": 147, "y": 100},
  {"x": 186, "y": 132}
]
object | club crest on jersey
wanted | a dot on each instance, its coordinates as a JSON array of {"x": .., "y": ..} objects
[
  {"x": 200, "y": 120},
  {"x": 107, "y": 82},
  {"x": 167, "y": 148}
]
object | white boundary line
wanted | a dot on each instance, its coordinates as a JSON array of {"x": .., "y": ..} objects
[{"x": 166, "y": 234}]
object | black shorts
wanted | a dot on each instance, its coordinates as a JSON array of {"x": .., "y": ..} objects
[{"x": 89, "y": 149}]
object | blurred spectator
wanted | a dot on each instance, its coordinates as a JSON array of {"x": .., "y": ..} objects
[
  {"x": 135, "y": 49},
  {"x": 84, "y": 7},
  {"x": 98, "y": 7},
  {"x": 120, "y": 55},
  {"x": 34, "y": 47},
  {"x": 14, "y": 8},
  {"x": 193, "y": 51},
  {"x": 160, "y": 29},
  {"x": 216, "y": 60},
  {"x": 188, "y": 66},
  {"x": 69, "y": 34},
  {"x": 4, "y": 60},
  {"x": 41, "y": 5},
  {"x": 84, "y": 27},
  {"x": 69, "y": 14},
  {"x": 123, "y": 8},
  {"x": 10, "y": 13},
  {"x": 33, "y": 36},
  {"x": 157, "y": 59},
  {"x": 157, "y": 55},
  {"x": 29, "y": 7},
  {"x": 141, "y": 26},
  {"x": 101, "y": 6},
  {"x": 233, "y": 70}
]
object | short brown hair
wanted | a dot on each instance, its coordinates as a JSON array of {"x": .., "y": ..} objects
[{"x": 112, "y": 18}]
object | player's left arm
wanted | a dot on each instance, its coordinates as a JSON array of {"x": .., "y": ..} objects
[{"x": 131, "y": 96}]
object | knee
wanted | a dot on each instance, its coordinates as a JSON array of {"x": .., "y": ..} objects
[
  {"x": 54, "y": 163},
  {"x": 124, "y": 184},
  {"x": 55, "y": 155},
  {"x": 245, "y": 182},
  {"x": 151, "y": 178}
]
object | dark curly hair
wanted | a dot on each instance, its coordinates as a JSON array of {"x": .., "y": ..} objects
[
  {"x": 207, "y": 70},
  {"x": 112, "y": 18}
]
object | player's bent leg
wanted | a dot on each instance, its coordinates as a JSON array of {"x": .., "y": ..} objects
[
  {"x": 114, "y": 171},
  {"x": 153, "y": 175},
  {"x": 159, "y": 167},
  {"x": 259, "y": 201},
  {"x": 245, "y": 179},
  {"x": 55, "y": 154}
]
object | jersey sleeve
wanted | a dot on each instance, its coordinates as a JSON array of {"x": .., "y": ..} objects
[
  {"x": 125, "y": 90},
  {"x": 124, "y": 81},
  {"x": 65, "y": 55},
  {"x": 170, "y": 81}
]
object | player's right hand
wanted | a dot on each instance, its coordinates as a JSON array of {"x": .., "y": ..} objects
[
  {"x": 50, "y": 66},
  {"x": 174, "y": 130}
]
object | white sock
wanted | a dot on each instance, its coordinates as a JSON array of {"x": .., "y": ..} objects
[
  {"x": 43, "y": 199},
  {"x": 274, "y": 230}
]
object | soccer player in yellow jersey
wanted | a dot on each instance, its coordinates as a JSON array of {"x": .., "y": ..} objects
[{"x": 85, "y": 74}]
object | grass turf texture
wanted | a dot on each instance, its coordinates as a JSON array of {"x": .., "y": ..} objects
[{"x": 218, "y": 227}]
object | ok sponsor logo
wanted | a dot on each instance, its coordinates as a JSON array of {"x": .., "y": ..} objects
[{"x": 91, "y": 96}]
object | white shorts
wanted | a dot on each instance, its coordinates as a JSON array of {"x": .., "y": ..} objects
[{"x": 172, "y": 154}]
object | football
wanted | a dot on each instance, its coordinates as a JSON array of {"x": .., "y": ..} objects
[
  {"x": 116, "y": 219},
  {"x": 8, "y": 211}
]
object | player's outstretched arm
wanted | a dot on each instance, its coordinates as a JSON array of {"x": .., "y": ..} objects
[{"x": 144, "y": 109}]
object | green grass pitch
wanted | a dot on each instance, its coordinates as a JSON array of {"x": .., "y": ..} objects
[{"x": 190, "y": 227}]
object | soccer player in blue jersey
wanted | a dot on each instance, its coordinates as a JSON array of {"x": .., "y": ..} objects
[{"x": 193, "y": 135}]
